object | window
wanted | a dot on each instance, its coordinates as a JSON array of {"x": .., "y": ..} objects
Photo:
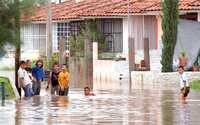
[
  {"x": 75, "y": 28},
  {"x": 34, "y": 37},
  {"x": 65, "y": 30},
  {"x": 112, "y": 30}
]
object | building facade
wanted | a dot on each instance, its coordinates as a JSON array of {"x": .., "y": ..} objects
[{"x": 116, "y": 20}]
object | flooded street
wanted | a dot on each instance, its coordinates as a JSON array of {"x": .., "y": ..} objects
[{"x": 140, "y": 107}]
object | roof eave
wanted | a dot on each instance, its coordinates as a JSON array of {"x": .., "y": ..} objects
[{"x": 92, "y": 17}]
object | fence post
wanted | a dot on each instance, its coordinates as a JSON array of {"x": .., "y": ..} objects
[
  {"x": 2, "y": 93},
  {"x": 146, "y": 54}
]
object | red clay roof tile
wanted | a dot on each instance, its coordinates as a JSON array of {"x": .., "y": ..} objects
[{"x": 73, "y": 10}]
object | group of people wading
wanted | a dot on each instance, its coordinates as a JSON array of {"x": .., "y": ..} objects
[{"x": 30, "y": 79}]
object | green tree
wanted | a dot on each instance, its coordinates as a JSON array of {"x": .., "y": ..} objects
[
  {"x": 88, "y": 31},
  {"x": 11, "y": 12},
  {"x": 169, "y": 37}
]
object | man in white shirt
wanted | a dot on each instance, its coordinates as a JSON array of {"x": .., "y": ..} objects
[
  {"x": 24, "y": 81},
  {"x": 184, "y": 84}
]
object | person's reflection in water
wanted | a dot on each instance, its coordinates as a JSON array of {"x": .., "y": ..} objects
[
  {"x": 184, "y": 115},
  {"x": 18, "y": 113},
  {"x": 61, "y": 102},
  {"x": 36, "y": 101}
]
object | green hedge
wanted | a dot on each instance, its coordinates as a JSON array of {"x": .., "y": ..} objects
[
  {"x": 9, "y": 92},
  {"x": 195, "y": 85}
]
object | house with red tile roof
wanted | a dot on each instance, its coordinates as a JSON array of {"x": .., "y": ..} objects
[{"x": 118, "y": 20}]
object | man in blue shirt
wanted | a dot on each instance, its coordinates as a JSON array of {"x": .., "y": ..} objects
[{"x": 38, "y": 74}]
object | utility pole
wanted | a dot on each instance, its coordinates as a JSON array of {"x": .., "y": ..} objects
[
  {"x": 49, "y": 32},
  {"x": 131, "y": 49},
  {"x": 129, "y": 59}
]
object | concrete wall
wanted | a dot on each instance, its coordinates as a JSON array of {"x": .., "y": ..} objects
[
  {"x": 156, "y": 80},
  {"x": 106, "y": 74}
]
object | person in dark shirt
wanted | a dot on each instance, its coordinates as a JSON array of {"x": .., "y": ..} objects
[{"x": 53, "y": 79}]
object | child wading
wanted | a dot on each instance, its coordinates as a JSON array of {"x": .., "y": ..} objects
[
  {"x": 63, "y": 79},
  {"x": 185, "y": 89}
]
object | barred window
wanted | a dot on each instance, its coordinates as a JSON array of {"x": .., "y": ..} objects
[
  {"x": 112, "y": 30},
  {"x": 63, "y": 31},
  {"x": 75, "y": 28}
]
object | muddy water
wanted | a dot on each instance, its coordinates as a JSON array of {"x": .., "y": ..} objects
[{"x": 140, "y": 107}]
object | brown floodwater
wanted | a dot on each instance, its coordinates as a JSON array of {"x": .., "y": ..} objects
[{"x": 139, "y": 107}]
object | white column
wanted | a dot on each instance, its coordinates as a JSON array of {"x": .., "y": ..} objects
[
  {"x": 198, "y": 19},
  {"x": 125, "y": 37},
  {"x": 95, "y": 51},
  {"x": 95, "y": 67},
  {"x": 159, "y": 30}
]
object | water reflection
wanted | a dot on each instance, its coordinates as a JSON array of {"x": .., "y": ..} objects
[
  {"x": 139, "y": 107},
  {"x": 18, "y": 113},
  {"x": 184, "y": 115},
  {"x": 58, "y": 106},
  {"x": 167, "y": 107}
]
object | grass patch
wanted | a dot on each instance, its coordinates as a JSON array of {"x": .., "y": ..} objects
[
  {"x": 9, "y": 92},
  {"x": 195, "y": 85}
]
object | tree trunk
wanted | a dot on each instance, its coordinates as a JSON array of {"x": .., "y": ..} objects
[{"x": 18, "y": 43}]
